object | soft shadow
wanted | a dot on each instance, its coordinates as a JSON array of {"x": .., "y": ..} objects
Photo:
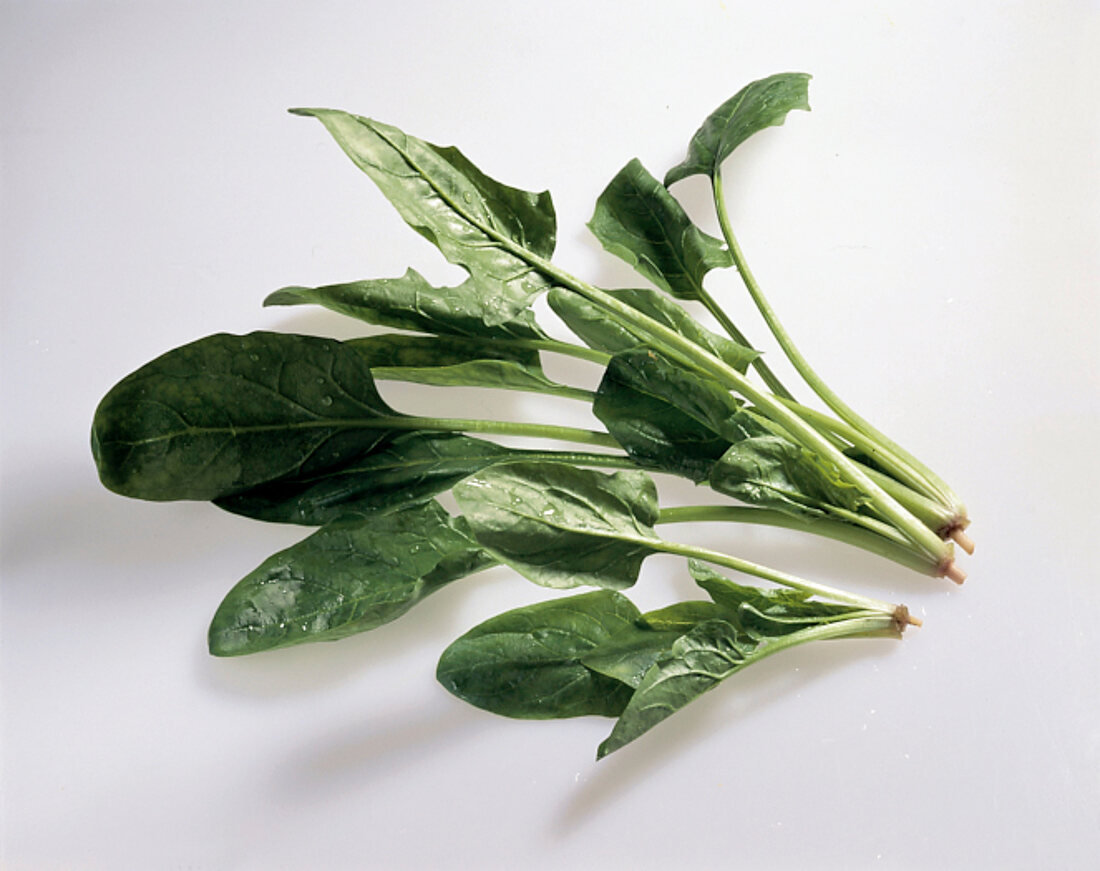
[{"x": 729, "y": 708}]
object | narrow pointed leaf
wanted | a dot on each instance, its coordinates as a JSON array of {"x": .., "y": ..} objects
[
  {"x": 697, "y": 661},
  {"x": 411, "y": 468},
  {"x": 345, "y": 580},
  {"x": 227, "y": 413},
  {"x": 561, "y": 526},
  {"x": 447, "y": 361},
  {"x": 639, "y": 221},
  {"x": 475, "y": 221},
  {"x": 527, "y": 663},
  {"x": 592, "y": 325},
  {"x": 775, "y": 611},
  {"x": 411, "y": 303},
  {"x": 761, "y": 104}
]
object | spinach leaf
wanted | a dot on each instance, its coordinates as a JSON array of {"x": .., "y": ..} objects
[
  {"x": 592, "y": 325},
  {"x": 411, "y": 468},
  {"x": 344, "y": 580},
  {"x": 476, "y": 222},
  {"x": 560, "y": 526},
  {"x": 696, "y": 662},
  {"x": 773, "y": 611},
  {"x": 527, "y": 663},
  {"x": 226, "y": 413},
  {"x": 446, "y": 361},
  {"x": 411, "y": 303},
  {"x": 666, "y": 417},
  {"x": 764, "y": 103},
  {"x": 638, "y": 220},
  {"x": 769, "y": 471}
]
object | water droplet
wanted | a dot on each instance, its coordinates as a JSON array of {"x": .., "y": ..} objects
[
  {"x": 326, "y": 400},
  {"x": 320, "y": 379},
  {"x": 255, "y": 358},
  {"x": 466, "y": 196}
]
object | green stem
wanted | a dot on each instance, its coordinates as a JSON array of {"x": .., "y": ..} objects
[
  {"x": 581, "y": 352},
  {"x": 696, "y": 357},
  {"x": 491, "y": 427},
  {"x": 769, "y": 377},
  {"x": 856, "y": 626},
  {"x": 776, "y": 577},
  {"x": 889, "y": 544},
  {"x": 933, "y": 482}
]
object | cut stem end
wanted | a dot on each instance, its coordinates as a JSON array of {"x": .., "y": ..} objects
[
  {"x": 954, "y": 573},
  {"x": 963, "y": 540}
]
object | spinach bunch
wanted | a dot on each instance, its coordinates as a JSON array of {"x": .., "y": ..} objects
[{"x": 292, "y": 429}]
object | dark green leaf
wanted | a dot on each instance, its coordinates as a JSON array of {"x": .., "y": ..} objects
[
  {"x": 592, "y": 325},
  {"x": 446, "y": 361},
  {"x": 771, "y": 612},
  {"x": 771, "y": 471},
  {"x": 411, "y": 303},
  {"x": 345, "y": 580},
  {"x": 764, "y": 103},
  {"x": 682, "y": 616},
  {"x": 561, "y": 526},
  {"x": 527, "y": 663},
  {"x": 415, "y": 466},
  {"x": 638, "y": 220},
  {"x": 666, "y": 417},
  {"x": 486, "y": 227},
  {"x": 696, "y": 662},
  {"x": 631, "y": 651},
  {"x": 227, "y": 413}
]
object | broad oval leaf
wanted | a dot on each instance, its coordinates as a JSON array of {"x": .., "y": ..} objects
[
  {"x": 226, "y": 413},
  {"x": 410, "y": 469},
  {"x": 476, "y": 222},
  {"x": 343, "y": 580},
  {"x": 527, "y": 663},
  {"x": 592, "y": 325},
  {"x": 639, "y": 221},
  {"x": 411, "y": 303},
  {"x": 761, "y": 104},
  {"x": 560, "y": 526}
]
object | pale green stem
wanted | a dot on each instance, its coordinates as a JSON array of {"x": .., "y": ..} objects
[{"x": 828, "y": 396}]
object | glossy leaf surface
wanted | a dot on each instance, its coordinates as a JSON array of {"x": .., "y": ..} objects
[
  {"x": 227, "y": 413},
  {"x": 591, "y": 324},
  {"x": 639, "y": 221},
  {"x": 445, "y": 361},
  {"x": 761, "y": 104},
  {"x": 475, "y": 221},
  {"x": 411, "y": 303},
  {"x": 344, "y": 580},
  {"x": 411, "y": 468},
  {"x": 527, "y": 662},
  {"x": 561, "y": 526}
]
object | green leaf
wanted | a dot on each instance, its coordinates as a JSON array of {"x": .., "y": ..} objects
[
  {"x": 772, "y": 612},
  {"x": 773, "y": 472},
  {"x": 761, "y": 104},
  {"x": 684, "y": 616},
  {"x": 527, "y": 663},
  {"x": 697, "y": 661},
  {"x": 561, "y": 526},
  {"x": 227, "y": 413},
  {"x": 639, "y": 221},
  {"x": 630, "y": 652},
  {"x": 446, "y": 361},
  {"x": 666, "y": 417},
  {"x": 340, "y": 581},
  {"x": 592, "y": 325},
  {"x": 476, "y": 222},
  {"x": 411, "y": 303},
  {"x": 411, "y": 468}
]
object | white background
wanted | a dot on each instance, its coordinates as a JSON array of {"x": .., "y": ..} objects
[{"x": 928, "y": 234}]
